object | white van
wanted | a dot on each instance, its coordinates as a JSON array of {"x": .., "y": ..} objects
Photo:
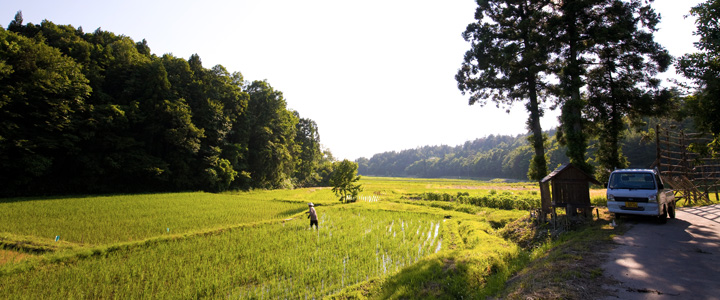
[{"x": 639, "y": 192}]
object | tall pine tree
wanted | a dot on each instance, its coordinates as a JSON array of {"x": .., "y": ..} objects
[
  {"x": 622, "y": 81},
  {"x": 507, "y": 62}
]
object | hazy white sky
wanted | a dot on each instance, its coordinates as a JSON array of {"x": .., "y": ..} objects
[{"x": 376, "y": 75}]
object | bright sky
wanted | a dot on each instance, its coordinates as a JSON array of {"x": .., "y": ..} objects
[{"x": 375, "y": 75}]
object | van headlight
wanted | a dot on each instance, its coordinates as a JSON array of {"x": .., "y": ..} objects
[
  {"x": 652, "y": 198},
  {"x": 611, "y": 198}
]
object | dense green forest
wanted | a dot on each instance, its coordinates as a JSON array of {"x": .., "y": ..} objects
[
  {"x": 99, "y": 113},
  {"x": 495, "y": 156}
]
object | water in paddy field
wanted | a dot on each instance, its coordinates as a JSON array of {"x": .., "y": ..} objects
[{"x": 349, "y": 248}]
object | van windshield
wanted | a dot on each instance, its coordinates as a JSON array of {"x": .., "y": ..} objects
[{"x": 639, "y": 181}]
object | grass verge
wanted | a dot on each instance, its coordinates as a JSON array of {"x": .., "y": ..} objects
[
  {"x": 475, "y": 266},
  {"x": 564, "y": 264}
]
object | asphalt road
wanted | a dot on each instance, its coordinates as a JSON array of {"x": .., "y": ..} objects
[{"x": 677, "y": 260}]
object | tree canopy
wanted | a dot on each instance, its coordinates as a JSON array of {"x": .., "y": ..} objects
[
  {"x": 99, "y": 113},
  {"x": 344, "y": 180},
  {"x": 703, "y": 68},
  {"x": 606, "y": 61},
  {"x": 597, "y": 59},
  {"x": 507, "y": 62},
  {"x": 622, "y": 84}
]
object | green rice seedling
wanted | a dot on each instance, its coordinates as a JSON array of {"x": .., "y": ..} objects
[
  {"x": 281, "y": 260},
  {"x": 102, "y": 220},
  {"x": 258, "y": 244}
]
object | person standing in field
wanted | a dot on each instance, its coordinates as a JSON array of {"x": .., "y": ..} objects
[{"x": 313, "y": 216}]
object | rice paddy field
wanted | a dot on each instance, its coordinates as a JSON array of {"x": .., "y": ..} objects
[{"x": 258, "y": 244}]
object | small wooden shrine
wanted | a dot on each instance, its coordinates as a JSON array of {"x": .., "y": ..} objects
[{"x": 570, "y": 189}]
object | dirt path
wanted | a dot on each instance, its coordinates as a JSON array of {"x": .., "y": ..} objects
[{"x": 677, "y": 260}]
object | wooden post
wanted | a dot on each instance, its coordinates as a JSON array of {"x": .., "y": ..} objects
[
  {"x": 658, "y": 156},
  {"x": 570, "y": 210},
  {"x": 684, "y": 166},
  {"x": 545, "y": 200},
  {"x": 667, "y": 145}
]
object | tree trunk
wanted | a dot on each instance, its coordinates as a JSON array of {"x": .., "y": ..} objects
[
  {"x": 538, "y": 168},
  {"x": 545, "y": 201},
  {"x": 572, "y": 109}
]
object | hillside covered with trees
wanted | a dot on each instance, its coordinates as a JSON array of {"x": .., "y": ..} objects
[
  {"x": 98, "y": 113},
  {"x": 494, "y": 156}
]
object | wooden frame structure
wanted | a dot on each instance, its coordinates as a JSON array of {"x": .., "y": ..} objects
[
  {"x": 685, "y": 164},
  {"x": 570, "y": 189}
]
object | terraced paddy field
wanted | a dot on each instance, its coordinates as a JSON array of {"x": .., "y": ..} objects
[{"x": 393, "y": 243}]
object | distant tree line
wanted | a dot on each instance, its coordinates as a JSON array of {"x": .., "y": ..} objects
[
  {"x": 497, "y": 156},
  {"x": 98, "y": 113}
]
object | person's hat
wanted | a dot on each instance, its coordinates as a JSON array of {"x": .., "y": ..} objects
[{"x": 310, "y": 204}]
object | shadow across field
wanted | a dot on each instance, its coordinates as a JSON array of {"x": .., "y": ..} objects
[{"x": 453, "y": 275}]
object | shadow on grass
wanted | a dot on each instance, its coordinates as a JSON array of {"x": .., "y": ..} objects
[
  {"x": 442, "y": 277},
  {"x": 449, "y": 275},
  {"x": 290, "y": 212},
  {"x": 43, "y": 198},
  {"x": 84, "y": 196}
]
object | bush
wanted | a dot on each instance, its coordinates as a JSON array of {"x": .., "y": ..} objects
[{"x": 505, "y": 200}]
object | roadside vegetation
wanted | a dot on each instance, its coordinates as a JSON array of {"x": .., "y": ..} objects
[{"x": 565, "y": 263}]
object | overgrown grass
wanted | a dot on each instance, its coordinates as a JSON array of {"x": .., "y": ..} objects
[
  {"x": 491, "y": 199},
  {"x": 475, "y": 265},
  {"x": 564, "y": 264}
]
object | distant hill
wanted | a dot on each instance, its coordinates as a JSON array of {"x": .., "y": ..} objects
[{"x": 494, "y": 156}]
